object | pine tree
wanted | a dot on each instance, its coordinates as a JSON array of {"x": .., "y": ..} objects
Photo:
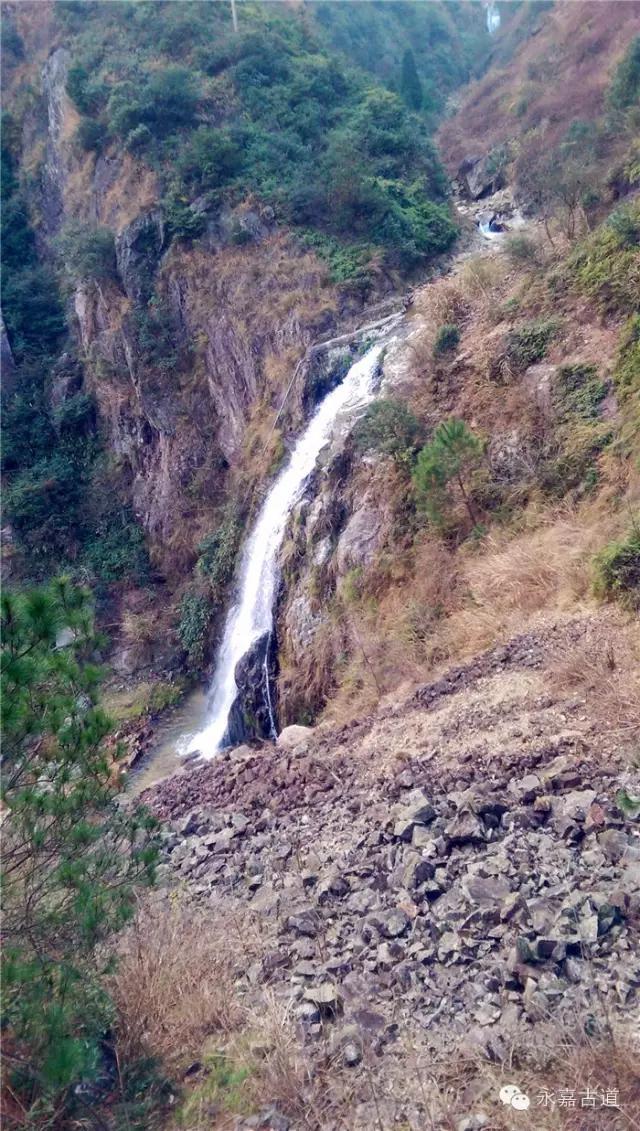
[
  {"x": 71, "y": 855},
  {"x": 443, "y": 468},
  {"x": 410, "y": 85}
]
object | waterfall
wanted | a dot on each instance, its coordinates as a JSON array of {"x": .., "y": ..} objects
[
  {"x": 493, "y": 17},
  {"x": 251, "y": 617}
]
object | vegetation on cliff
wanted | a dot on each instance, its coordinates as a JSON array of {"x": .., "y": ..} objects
[{"x": 273, "y": 110}]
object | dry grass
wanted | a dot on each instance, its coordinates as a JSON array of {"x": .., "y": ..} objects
[
  {"x": 606, "y": 671},
  {"x": 441, "y": 302},
  {"x": 553, "y": 1059},
  {"x": 481, "y": 277},
  {"x": 175, "y": 982}
]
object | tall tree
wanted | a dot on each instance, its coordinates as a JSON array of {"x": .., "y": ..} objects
[
  {"x": 70, "y": 855},
  {"x": 410, "y": 85}
]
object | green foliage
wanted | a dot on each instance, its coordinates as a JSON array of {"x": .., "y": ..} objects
[
  {"x": 627, "y": 371},
  {"x": 294, "y": 124},
  {"x": 44, "y": 505},
  {"x": 83, "y": 89},
  {"x": 222, "y": 1089},
  {"x": 606, "y": 265},
  {"x": 162, "y": 99},
  {"x": 569, "y": 463},
  {"x": 447, "y": 339},
  {"x": 528, "y": 344},
  {"x": 33, "y": 312},
  {"x": 217, "y": 554},
  {"x": 617, "y": 570},
  {"x": 194, "y": 626},
  {"x": 443, "y": 470},
  {"x": 410, "y": 85},
  {"x": 91, "y": 135},
  {"x": 116, "y": 550},
  {"x": 624, "y": 90},
  {"x": 71, "y": 855},
  {"x": 183, "y": 223},
  {"x": 579, "y": 392},
  {"x": 211, "y": 159},
  {"x": 88, "y": 253},
  {"x": 389, "y": 427},
  {"x": 521, "y": 249}
]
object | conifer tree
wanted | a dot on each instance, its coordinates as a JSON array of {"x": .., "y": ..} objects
[
  {"x": 443, "y": 468},
  {"x": 410, "y": 85},
  {"x": 70, "y": 854}
]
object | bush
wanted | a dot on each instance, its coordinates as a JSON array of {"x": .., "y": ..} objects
[
  {"x": 83, "y": 90},
  {"x": 606, "y": 267},
  {"x": 33, "y": 312},
  {"x": 117, "y": 551},
  {"x": 211, "y": 159},
  {"x": 579, "y": 392},
  {"x": 217, "y": 554},
  {"x": 627, "y": 371},
  {"x": 194, "y": 626},
  {"x": 91, "y": 135},
  {"x": 443, "y": 470},
  {"x": 389, "y": 427},
  {"x": 447, "y": 339},
  {"x": 88, "y": 253},
  {"x": 521, "y": 249},
  {"x": 528, "y": 344},
  {"x": 617, "y": 571},
  {"x": 183, "y": 223},
  {"x": 138, "y": 139},
  {"x": 625, "y": 85}
]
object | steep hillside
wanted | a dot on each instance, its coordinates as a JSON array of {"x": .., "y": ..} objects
[
  {"x": 398, "y": 889},
  {"x": 555, "y": 92},
  {"x": 185, "y": 213}
]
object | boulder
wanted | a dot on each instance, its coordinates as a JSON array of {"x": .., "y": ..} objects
[
  {"x": 294, "y": 737},
  {"x": 478, "y": 176}
]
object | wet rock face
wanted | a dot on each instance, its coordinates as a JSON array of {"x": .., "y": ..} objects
[{"x": 255, "y": 707}]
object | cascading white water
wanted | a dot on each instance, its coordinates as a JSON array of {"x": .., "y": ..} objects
[{"x": 252, "y": 616}]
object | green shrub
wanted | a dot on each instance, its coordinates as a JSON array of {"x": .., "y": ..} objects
[
  {"x": 389, "y": 427},
  {"x": 211, "y": 159},
  {"x": 579, "y": 392},
  {"x": 44, "y": 504},
  {"x": 617, "y": 570},
  {"x": 88, "y": 253},
  {"x": 627, "y": 371},
  {"x": 521, "y": 248},
  {"x": 624, "y": 90},
  {"x": 183, "y": 223},
  {"x": 33, "y": 312},
  {"x": 444, "y": 469},
  {"x": 117, "y": 550},
  {"x": 194, "y": 627},
  {"x": 138, "y": 139},
  {"x": 528, "y": 344},
  {"x": 217, "y": 554},
  {"x": 91, "y": 135},
  {"x": 606, "y": 268},
  {"x": 447, "y": 339},
  {"x": 83, "y": 89}
]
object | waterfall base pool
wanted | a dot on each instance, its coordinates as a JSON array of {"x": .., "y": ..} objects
[{"x": 165, "y": 755}]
